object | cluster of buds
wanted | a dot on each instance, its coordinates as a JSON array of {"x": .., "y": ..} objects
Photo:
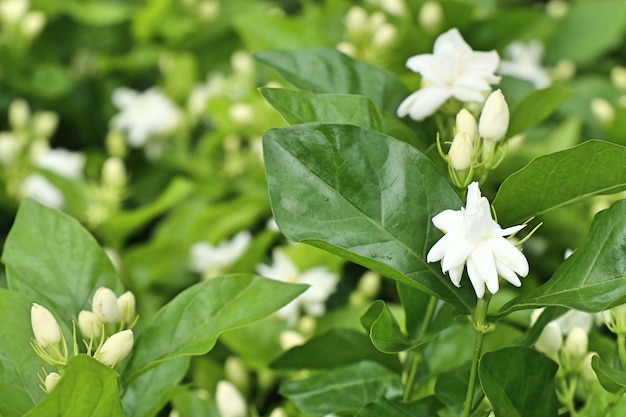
[
  {"x": 106, "y": 331},
  {"x": 476, "y": 147},
  {"x": 368, "y": 36},
  {"x": 20, "y": 26}
]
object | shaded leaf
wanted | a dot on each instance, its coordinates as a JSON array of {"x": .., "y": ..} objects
[
  {"x": 613, "y": 380},
  {"x": 364, "y": 196},
  {"x": 535, "y": 107},
  {"x": 425, "y": 407}
]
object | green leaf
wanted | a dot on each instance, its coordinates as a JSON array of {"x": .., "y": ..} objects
[
  {"x": 86, "y": 389},
  {"x": 593, "y": 278},
  {"x": 335, "y": 348},
  {"x": 343, "y": 389},
  {"x": 536, "y": 107},
  {"x": 191, "y": 322},
  {"x": 19, "y": 365},
  {"x": 516, "y": 390},
  {"x": 613, "y": 380},
  {"x": 555, "y": 180},
  {"x": 451, "y": 388},
  {"x": 364, "y": 196},
  {"x": 306, "y": 107},
  {"x": 425, "y": 407},
  {"x": 415, "y": 304},
  {"x": 52, "y": 259},
  {"x": 326, "y": 70},
  {"x": 99, "y": 13}
]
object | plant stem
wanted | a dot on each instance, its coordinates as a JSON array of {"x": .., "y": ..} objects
[
  {"x": 621, "y": 348},
  {"x": 416, "y": 354},
  {"x": 481, "y": 328},
  {"x": 614, "y": 400}
]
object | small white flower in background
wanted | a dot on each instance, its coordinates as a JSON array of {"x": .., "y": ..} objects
[
  {"x": 577, "y": 343},
  {"x": 602, "y": 110},
  {"x": 453, "y": 70},
  {"x": 104, "y": 305},
  {"x": 10, "y": 148},
  {"x": 550, "y": 340},
  {"x": 45, "y": 327},
  {"x": 90, "y": 325},
  {"x": 213, "y": 259},
  {"x": 116, "y": 348},
  {"x": 322, "y": 284},
  {"x": 229, "y": 401},
  {"x": 62, "y": 162},
  {"x": 52, "y": 379},
  {"x": 430, "y": 16},
  {"x": 38, "y": 187},
  {"x": 473, "y": 237},
  {"x": 494, "y": 118},
  {"x": 524, "y": 62},
  {"x": 143, "y": 115},
  {"x": 290, "y": 339}
]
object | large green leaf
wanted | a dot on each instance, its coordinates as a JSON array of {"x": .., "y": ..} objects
[
  {"x": 535, "y": 107},
  {"x": 52, "y": 259},
  {"x": 364, "y": 196},
  {"x": 425, "y": 407},
  {"x": 593, "y": 278},
  {"x": 326, "y": 70},
  {"x": 191, "y": 322},
  {"x": 307, "y": 107},
  {"x": 551, "y": 181},
  {"x": 19, "y": 365},
  {"x": 86, "y": 389},
  {"x": 335, "y": 348},
  {"x": 343, "y": 389},
  {"x": 519, "y": 382}
]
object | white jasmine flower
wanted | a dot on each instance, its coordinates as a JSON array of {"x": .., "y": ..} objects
[
  {"x": 38, "y": 187},
  {"x": 45, "y": 327},
  {"x": 453, "y": 70},
  {"x": 473, "y": 237},
  {"x": 212, "y": 259},
  {"x": 116, "y": 348},
  {"x": 90, "y": 325},
  {"x": 525, "y": 63},
  {"x": 322, "y": 284},
  {"x": 104, "y": 305},
  {"x": 229, "y": 401},
  {"x": 494, "y": 118},
  {"x": 62, "y": 162},
  {"x": 143, "y": 115}
]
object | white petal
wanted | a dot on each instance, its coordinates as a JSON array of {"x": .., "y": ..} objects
[
  {"x": 456, "y": 255},
  {"x": 484, "y": 61},
  {"x": 481, "y": 267},
  {"x": 509, "y": 255},
  {"x": 439, "y": 249},
  {"x": 451, "y": 38},
  {"x": 511, "y": 230},
  {"x": 508, "y": 274},
  {"x": 456, "y": 274},
  {"x": 449, "y": 220},
  {"x": 424, "y": 102}
]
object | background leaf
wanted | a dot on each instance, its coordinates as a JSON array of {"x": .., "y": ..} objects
[
  {"x": 519, "y": 391},
  {"x": 535, "y": 107},
  {"x": 192, "y": 321},
  {"x": 551, "y": 181},
  {"x": 344, "y": 389},
  {"x": 593, "y": 278},
  {"x": 425, "y": 407},
  {"x": 86, "y": 389},
  {"x": 364, "y": 196},
  {"x": 53, "y": 260},
  {"x": 611, "y": 379}
]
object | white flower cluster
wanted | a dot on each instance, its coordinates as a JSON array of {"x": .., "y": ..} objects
[
  {"x": 106, "y": 331},
  {"x": 212, "y": 260}
]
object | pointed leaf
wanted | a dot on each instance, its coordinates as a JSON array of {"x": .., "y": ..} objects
[
  {"x": 364, "y": 196},
  {"x": 86, "y": 389},
  {"x": 191, "y": 322},
  {"x": 343, "y": 389},
  {"x": 613, "y": 380},
  {"x": 519, "y": 391},
  {"x": 551, "y": 181},
  {"x": 425, "y": 407},
  {"x": 52, "y": 259},
  {"x": 593, "y": 278},
  {"x": 326, "y": 70},
  {"x": 535, "y": 107}
]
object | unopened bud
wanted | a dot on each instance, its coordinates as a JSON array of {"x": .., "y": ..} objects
[
  {"x": 465, "y": 122},
  {"x": 90, "y": 325},
  {"x": 550, "y": 340},
  {"x": 602, "y": 110},
  {"x": 13, "y": 10},
  {"x": 356, "y": 21},
  {"x": 385, "y": 35},
  {"x": 235, "y": 370},
  {"x": 242, "y": 62},
  {"x": 33, "y": 23},
  {"x": 116, "y": 144},
  {"x": 105, "y": 305},
  {"x": 278, "y": 412},
  {"x": 126, "y": 307},
  {"x": 369, "y": 284},
  {"x": 45, "y": 327},
  {"x": 618, "y": 77},
  {"x": 45, "y": 123},
  {"x": 461, "y": 152},
  {"x": 52, "y": 379},
  {"x": 229, "y": 401},
  {"x": 290, "y": 339},
  {"x": 347, "y": 48},
  {"x": 557, "y": 9},
  {"x": 19, "y": 113},
  {"x": 241, "y": 113},
  {"x": 586, "y": 370},
  {"x": 10, "y": 148},
  {"x": 431, "y": 16},
  {"x": 494, "y": 119},
  {"x": 208, "y": 9},
  {"x": 577, "y": 342},
  {"x": 116, "y": 348},
  {"x": 114, "y": 172}
]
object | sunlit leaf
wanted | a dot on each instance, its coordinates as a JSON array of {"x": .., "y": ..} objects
[{"x": 612, "y": 380}]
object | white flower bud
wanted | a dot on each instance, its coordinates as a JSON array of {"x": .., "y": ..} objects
[
  {"x": 385, "y": 35},
  {"x": 278, "y": 412},
  {"x": 393, "y": 7},
  {"x": 90, "y": 325},
  {"x": 33, "y": 23},
  {"x": 602, "y": 110},
  {"x": 577, "y": 342},
  {"x": 116, "y": 348},
  {"x": 494, "y": 119},
  {"x": 557, "y": 9},
  {"x": 586, "y": 370},
  {"x": 618, "y": 77},
  {"x": 242, "y": 62},
  {"x": 290, "y": 339},
  {"x": 465, "y": 122},
  {"x": 45, "y": 123},
  {"x": 430, "y": 16},
  {"x": 461, "y": 152},
  {"x": 126, "y": 307},
  {"x": 116, "y": 144},
  {"x": 241, "y": 113},
  {"x": 19, "y": 113},
  {"x": 369, "y": 284},
  {"x": 229, "y": 400},
  {"x": 208, "y": 9},
  {"x": 550, "y": 340},
  {"x": 105, "y": 305},
  {"x": 52, "y": 379},
  {"x": 356, "y": 21},
  {"x": 236, "y": 371},
  {"x": 10, "y": 148},
  {"x": 114, "y": 172},
  {"x": 347, "y": 48},
  {"x": 45, "y": 327},
  {"x": 564, "y": 70},
  {"x": 13, "y": 10}
]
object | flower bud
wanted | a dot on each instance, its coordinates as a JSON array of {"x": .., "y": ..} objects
[
  {"x": 229, "y": 400},
  {"x": 356, "y": 21},
  {"x": 52, "y": 380},
  {"x": 465, "y": 122},
  {"x": 461, "y": 152},
  {"x": 13, "y": 10},
  {"x": 236, "y": 371},
  {"x": 114, "y": 172},
  {"x": 126, "y": 307},
  {"x": 290, "y": 339},
  {"x": 618, "y": 77},
  {"x": 105, "y": 305},
  {"x": 116, "y": 348},
  {"x": 89, "y": 324},
  {"x": 45, "y": 123},
  {"x": 602, "y": 110},
  {"x": 385, "y": 35},
  {"x": 494, "y": 119},
  {"x": 586, "y": 370},
  {"x": 577, "y": 342},
  {"x": 19, "y": 113},
  {"x": 45, "y": 327},
  {"x": 550, "y": 340},
  {"x": 10, "y": 148},
  {"x": 33, "y": 23},
  {"x": 431, "y": 16}
]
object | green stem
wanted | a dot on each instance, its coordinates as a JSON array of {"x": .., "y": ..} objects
[
  {"x": 621, "y": 348},
  {"x": 416, "y": 354},
  {"x": 481, "y": 328},
  {"x": 614, "y": 400}
]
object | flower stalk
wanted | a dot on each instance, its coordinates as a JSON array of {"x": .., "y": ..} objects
[{"x": 481, "y": 328}]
